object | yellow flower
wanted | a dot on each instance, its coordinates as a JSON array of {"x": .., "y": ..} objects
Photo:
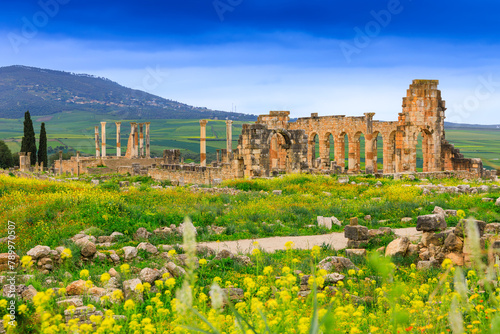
[
  {"x": 84, "y": 274},
  {"x": 446, "y": 263},
  {"x": 289, "y": 245},
  {"x": 170, "y": 283},
  {"x": 66, "y": 254},
  {"x": 171, "y": 252},
  {"x": 139, "y": 287},
  {"x": 256, "y": 252},
  {"x": 202, "y": 262},
  {"x": 26, "y": 261},
  {"x": 22, "y": 308},
  {"x": 3, "y": 303},
  {"x": 125, "y": 268},
  {"x": 129, "y": 305},
  {"x": 268, "y": 270},
  {"x": 117, "y": 295},
  {"x": 316, "y": 250},
  {"x": 105, "y": 277}
]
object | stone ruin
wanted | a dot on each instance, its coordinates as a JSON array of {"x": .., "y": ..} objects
[{"x": 274, "y": 145}]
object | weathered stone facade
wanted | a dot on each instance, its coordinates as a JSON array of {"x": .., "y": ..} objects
[{"x": 273, "y": 145}]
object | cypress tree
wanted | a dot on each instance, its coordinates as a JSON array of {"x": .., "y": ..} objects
[
  {"x": 28, "y": 143},
  {"x": 6, "y": 159},
  {"x": 42, "y": 147}
]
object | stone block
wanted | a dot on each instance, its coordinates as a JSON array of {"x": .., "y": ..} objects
[
  {"x": 431, "y": 223},
  {"x": 356, "y": 232}
]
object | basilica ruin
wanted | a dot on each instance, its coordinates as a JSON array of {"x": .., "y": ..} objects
[{"x": 274, "y": 145}]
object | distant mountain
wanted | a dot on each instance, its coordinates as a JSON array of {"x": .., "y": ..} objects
[
  {"x": 449, "y": 125},
  {"x": 46, "y": 92}
]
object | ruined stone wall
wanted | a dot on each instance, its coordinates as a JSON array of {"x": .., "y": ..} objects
[
  {"x": 112, "y": 164},
  {"x": 188, "y": 174}
]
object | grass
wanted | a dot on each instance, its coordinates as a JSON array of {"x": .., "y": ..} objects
[{"x": 381, "y": 295}]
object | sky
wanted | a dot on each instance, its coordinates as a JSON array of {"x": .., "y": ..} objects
[{"x": 326, "y": 57}]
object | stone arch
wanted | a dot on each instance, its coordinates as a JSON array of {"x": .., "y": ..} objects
[
  {"x": 355, "y": 152},
  {"x": 279, "y": 142},
  {"x": 341, "y": 141},
  {"x": 424, "y": 137},
  {"x": 326, "y": 143},
  {"x": 389, "y": 153}
]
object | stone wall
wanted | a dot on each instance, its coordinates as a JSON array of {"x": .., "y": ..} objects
[
  {"x": 187, "y": 174},
  {"x": 113, "y": 164}
]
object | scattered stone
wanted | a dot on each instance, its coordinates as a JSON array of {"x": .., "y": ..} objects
[
  {"x": 130, "y": 292},
  {"x": 87, "y": 248},
  {"x": 243, "y": 260},
  {"x": 175, "y": 270},
  {"x": 38, "y": 252},
  {"x": 493, "y": 228},
  {"x": 277, "y": 192},
  {"x": 146, "y": 246},
  {"x": 357, "y": 232},
  {"x": 224, "y": 254},
  {"x": 142, "y": 233},
  {"x": 436, "y": 239},
  {"x": 456, "y": 258},
  {"x": 406, "y": 220},
  {"x": 425, "y": 265},
  {"x": 355, "y": 252},
  {"x": 76, "y": 288},
  {"x": 100, "y": 256},
  {"x": 82, "y": 313},
  {"x": 327, "y": 222},
  {"x": 336, "y": 263},
  {"x": 129, "y": 253},
  {"x": 104, "y": 239},
  {"x": 368, "y": 217},
  {"x": 116, "y": 235},
  {"x": 344, "y": 179},
  {"x": 431, "y": 223},
  {"x": 4, "y": 261},
  {"x": 460, "y": 229},
  {"x": 452, "y": 213},
  {"x": 487, "y": 199},
  {"x": 397, "y": 247},
  {"x": 29, "y": 293},
  {"x": 497, "y": 203},
  {"x": 453, "y": 243},
  {"x": 149, "y": 275},
  {"x": 333, "y": 278}
]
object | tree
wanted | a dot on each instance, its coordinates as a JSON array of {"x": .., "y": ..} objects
[
  {"x": 6, "y": 159},
  {"x": 42, "y": 147},
  {"x": 28, "y": 144}
]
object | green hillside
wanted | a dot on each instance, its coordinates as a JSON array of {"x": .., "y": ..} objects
[{"x": 48, "y": 92}]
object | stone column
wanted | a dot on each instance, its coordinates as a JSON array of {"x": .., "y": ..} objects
[
  {"x": 203, "y": 142},
  {"x": 369, "y": 142},
  {"x": 148, "y": 147},
  {"x": 136, "y": 141},
  {"x": 103, "y": 139},
  {"x": 78, "y": 163},
  {"x": 229, "y": 139},
  {"x": 97, "y": 146},
  {"x": 118, "y": 139},
  {"x": 217, "y": 159},
  {"x": 60, "y": 163},
  {"x": 132, "y": 139},
  {"x": 141, "y": 139}
]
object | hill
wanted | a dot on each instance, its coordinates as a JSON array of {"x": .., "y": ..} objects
[
  {"x": 449, "y": 125},
  {"x": 47, "y": 92}
]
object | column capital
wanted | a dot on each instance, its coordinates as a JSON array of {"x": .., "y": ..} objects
[
  {"x": 118, "y": 123},
  {"x": 147, "y": 123},
  {"x": 228, "y": 121},
  {"x": 133, "y": 123},
  {"x": 203, "y": 122},
  {"x": 103, "y": 123}
]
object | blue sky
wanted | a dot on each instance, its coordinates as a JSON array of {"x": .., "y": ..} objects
[{"x": 330, "y": 57}]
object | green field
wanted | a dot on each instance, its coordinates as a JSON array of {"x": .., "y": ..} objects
[{"x": 76, "y": 131}]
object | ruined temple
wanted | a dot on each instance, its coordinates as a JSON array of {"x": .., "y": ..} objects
[{"x": 274, "y": 144}]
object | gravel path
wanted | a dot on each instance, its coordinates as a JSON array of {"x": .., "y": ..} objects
[{"x": 336, "y": 240}]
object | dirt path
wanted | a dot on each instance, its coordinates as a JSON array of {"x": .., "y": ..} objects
[{"x": 336, "y": 240}]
